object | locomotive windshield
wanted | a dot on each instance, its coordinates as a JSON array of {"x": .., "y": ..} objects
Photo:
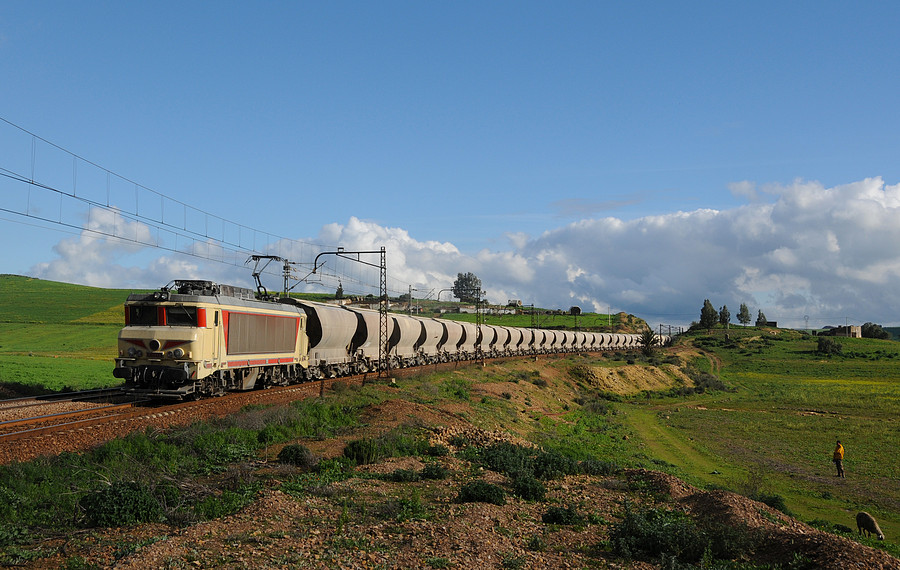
[
  {"x": 181, "y": 316},
  {"x": 142, "y": 315},
  {"x": 150, "y": 315}
]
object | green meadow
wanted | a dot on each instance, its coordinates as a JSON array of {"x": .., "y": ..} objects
[
  {"x": 542, "y": 320},
  {"x": 775, "y": 433},
  {"x": 57, "y": 336}
]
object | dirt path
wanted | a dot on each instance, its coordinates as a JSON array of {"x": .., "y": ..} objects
[{"x": 669, "y": 445}]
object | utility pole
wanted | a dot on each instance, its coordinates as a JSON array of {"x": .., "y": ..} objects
[{"x": 409, "y": 300}]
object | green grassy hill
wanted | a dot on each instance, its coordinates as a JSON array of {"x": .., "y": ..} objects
[
  {"x": 29, "y": 300},
  {"x": 57, "y": 335}
]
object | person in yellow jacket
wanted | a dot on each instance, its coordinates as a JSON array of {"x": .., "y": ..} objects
[{"x": 839, "y": 459}]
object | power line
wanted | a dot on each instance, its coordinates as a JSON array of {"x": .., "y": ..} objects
[{"x": 130, "y": 212}]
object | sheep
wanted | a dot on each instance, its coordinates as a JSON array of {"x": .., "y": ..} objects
[{"x": 866, "y": 522}]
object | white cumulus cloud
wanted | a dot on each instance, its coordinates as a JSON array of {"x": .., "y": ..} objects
[{"x": 793, "y": 250}]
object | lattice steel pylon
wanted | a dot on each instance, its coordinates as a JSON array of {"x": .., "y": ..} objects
[{"x": 384, "y": 362}]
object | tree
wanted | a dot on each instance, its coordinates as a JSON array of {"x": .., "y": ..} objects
[
  {"x": 761, "y": 319},
  {"x": 709, "y": 316},
  {"x": 871, "y": 330},
  {"x": 339, "y": 294},
  {"x": 648, "y": 341},
  {"x": 744, "y": 315},
  {"x": 828, "y": 346},
  {"x": 724, "y": 316},
  {"x": 467, "y": 287}
]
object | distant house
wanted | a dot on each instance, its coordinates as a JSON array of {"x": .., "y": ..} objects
[{"x": 851, "y": 331}]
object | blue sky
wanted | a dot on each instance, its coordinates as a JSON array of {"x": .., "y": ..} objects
[{"x": 641, "y": 156}]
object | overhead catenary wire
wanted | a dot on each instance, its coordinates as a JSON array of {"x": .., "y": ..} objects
[{"x": 210, "y": 237}]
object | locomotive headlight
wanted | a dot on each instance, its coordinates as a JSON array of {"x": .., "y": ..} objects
[
  {"x": 168, "y": 354},
  {"x": 179, "y": 353},
  {"x": 154, "y": 345},
  {"x": 132, "y": 351}
]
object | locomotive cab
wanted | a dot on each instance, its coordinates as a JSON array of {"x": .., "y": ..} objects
[{"x": 168, "y": 342}]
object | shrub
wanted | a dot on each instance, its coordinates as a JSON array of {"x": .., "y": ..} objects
[
  {"x": 296, "y": 454},
  {"x": 553, "y": 465},
  {"x": 661, "y": 533},
  {"x": 459, "y": 441},
  {"x": 481, "y": 492},
  {"x": 392, "y": 444},
  {"x": 773, "y": 500},
  {"x": 12, "y": 534},
  {"x": 403, "y": 476},
  {"x": 593, "y": 406},
  {"x": 403, "y": 509},
  {"x": 537, "y": 543},
  {"x": 121, "y": 504},
  {"x": 275, "y": 433},
  {"x": 512, "y": 460},
  {"x": 828, "y": 346},
  {"x": 365, "y": 451},
  {"x": 529, "y": 488},
  {"x": 654, "y": 532},
  {"x": 562, "y": 515},
  {"x": 434, "y": 471}
]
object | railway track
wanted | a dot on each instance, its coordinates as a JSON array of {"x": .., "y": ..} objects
[
  {"x": 35, "y": 435},
  {"x": 45, "y": 434}
]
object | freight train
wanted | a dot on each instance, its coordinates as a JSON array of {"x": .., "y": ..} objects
[{"x": 197, "y": 338}]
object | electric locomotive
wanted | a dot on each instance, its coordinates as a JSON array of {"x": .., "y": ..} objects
[{"x": 197, "y": 338}]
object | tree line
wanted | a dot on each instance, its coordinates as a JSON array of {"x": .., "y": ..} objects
[{"x": 710, "y": 317}]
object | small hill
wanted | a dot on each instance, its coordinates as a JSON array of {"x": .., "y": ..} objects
[{"x": 31, "y": 300}]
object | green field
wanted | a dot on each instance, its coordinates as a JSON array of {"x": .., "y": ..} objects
[
  {"x": 543, "y": 321},
  {"x": 776, "y": 432},
  {"x": 56, "y": 335}
]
